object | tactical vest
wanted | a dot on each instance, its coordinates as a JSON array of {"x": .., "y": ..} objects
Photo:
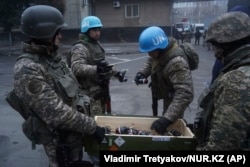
[
  {"x": 67, "y": 88},
  {"x": 66, "y": 85},
  {"x": 160, "y": 84},
  {"x": 97, "y": 54},
  {"x": 96, "y": 51}
]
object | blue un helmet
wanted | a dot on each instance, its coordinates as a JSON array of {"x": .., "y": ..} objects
[
  {"x": 90, "y": 22},
  {"x": 152, "y": 38}
]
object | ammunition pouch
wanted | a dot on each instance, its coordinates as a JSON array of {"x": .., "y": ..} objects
[
  {"x": 72, "y": 94},
  {"x": 83, "y": 103},
  {"x": 16, "y": 103},
  {"x": 33, "y": 128},
  {"x": 37, "y": 131},
  {"x": 67, "y": 88}
]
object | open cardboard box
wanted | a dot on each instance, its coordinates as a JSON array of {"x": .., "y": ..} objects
[{"x": 123, "y": 142}]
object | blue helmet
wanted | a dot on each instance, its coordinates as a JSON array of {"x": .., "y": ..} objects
[
  {"x": 90, "y": 22},
  {"x": 152, "y": 38}
]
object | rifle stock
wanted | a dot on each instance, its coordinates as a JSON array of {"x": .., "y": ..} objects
[
  {"x": 107, "y": 99},
  {"x": 154, "y": 105},
  {"x": 62, "y": 155}
]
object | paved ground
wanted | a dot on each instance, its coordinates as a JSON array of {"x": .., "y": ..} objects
[{"x": 127, "y": 99}]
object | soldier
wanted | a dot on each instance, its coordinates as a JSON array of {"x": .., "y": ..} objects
[
  {"x": 45, "y": 86},
  {"x": 218, "y": 65},
  {"x": 224, "y": 122},
  {"x": 197, "y": 36},
  {"x": 171, "y": 78},
  {"x": 89, "y": 65}
]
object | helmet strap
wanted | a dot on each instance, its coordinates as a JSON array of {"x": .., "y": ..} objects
[
  {"x": 89, "y": 39},
  {"x": 44, "y": 42}
]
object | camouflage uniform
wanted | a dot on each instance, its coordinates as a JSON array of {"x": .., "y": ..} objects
[
  {"x": 85, "y": 55},
  {"x": 171, "y": 80},
  {"x": 37, "y": 87},
  {"x": 227, "y": 125}
]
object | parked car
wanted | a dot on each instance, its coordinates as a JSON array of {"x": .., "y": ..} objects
[
  {"x": 184, "y": 31},
  {"x": 198, "y": 26},
  {"x": 183, "y": 26}
]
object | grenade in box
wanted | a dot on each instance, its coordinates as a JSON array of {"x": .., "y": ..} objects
[{"x": 148, "y": 141}]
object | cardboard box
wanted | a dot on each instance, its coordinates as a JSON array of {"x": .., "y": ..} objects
[{"x": 123, "y": 142}]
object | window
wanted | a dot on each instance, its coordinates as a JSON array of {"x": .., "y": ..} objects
[{"x": 131, "y": 10}]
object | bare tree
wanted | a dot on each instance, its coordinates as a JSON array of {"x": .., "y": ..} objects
[{"x": 11, "y": 10}]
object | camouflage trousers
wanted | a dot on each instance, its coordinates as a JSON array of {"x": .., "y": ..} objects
[{"x": 74, "y": 142}]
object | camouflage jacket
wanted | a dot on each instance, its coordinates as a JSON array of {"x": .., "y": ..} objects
[
  {"x": 230, "y": 128},
  {"x": 85, "y": 55},
  {"x": 171, "y": 79},
  {"x": 35, "y": 85}
]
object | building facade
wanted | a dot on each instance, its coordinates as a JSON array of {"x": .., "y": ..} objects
[
  {"x": 199, "y": 11},
  {"x": 75, "y": 11},
  {"x": 120, "y": 13},
  {"x": 132, "y": 13},
  {"x": 141, "y": 13}
]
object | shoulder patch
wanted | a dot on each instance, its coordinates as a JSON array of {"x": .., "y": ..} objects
[
  {"x": 236, "y": 76},
  {"x": 34, "y": 87},
  {"x": 231, "y": 96}
]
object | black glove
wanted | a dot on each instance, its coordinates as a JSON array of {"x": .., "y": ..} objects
[
  {"x": 121, "y": 75},
  {"x": 104, "y": 67},
  {"x": 100, "y": 133},
  {"x": 160, "y": 125},
  {"x": 139, "y": 78}
]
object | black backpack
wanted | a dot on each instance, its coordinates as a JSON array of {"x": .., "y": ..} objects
[{"x": 192, "y": 55}]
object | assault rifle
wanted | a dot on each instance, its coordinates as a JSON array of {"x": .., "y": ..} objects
[
  {"x": 103, "y": 80},
  {"x": 154, "y": 101},
  {"x": 106, "y": 92},
  {"x": 154, "y": 105}
]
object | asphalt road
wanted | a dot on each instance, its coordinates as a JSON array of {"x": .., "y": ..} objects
[{"x": 127, "y": 99}]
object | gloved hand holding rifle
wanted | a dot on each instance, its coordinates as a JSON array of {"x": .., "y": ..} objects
[
  {"x": 103, "y": 67},
  {"x": 141, "y": 79},
  {"x": 105, "y": 71}
]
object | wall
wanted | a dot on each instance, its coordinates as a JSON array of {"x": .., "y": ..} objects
[
  {"x": 155, "y": 12},
  {"x": 75, "y": 12}
]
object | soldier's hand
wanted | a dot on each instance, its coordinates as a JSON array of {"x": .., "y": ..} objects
[
  {"x": 140, "y": 78},
  {"x": 100, "y": 133},
  {"x": 160, "y": 125},
  {"x": 121, "y": 75},
  {"x": 104, "y": 67}
]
